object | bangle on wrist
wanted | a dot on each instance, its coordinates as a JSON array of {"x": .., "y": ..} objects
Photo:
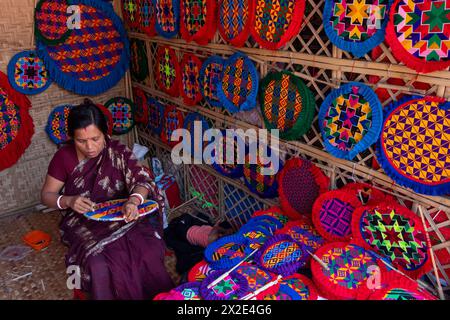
[
  {"x": 139, "y": 196},
  {"x": 58, "y": 204}
]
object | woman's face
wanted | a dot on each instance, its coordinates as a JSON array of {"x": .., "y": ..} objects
[{"x": 90, "y": 141}]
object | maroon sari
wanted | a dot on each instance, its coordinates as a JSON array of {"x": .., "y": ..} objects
[{"x": 117, "y": 260}]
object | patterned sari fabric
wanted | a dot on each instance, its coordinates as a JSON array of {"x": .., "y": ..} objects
[
  {"x": 356, "y": 26},
  {"x": 418, "y": 33},
  {"x": 101, "y": 249}
]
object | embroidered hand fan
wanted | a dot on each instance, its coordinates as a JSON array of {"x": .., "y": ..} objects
[
  {"x": 303, "y": 232},
  {"x": 122, "y": 110},
  {"x": 190, "y": 79},
  {"x": 225, "y": 155},
  {"x": 95, "y": 56},
  {"x": 210, "y": 74},
  {"x": 366, "y": 193},
  {"x": 395, "y": 287},
  {"x": 347, "y": 272},
  {"x": 294, "y": 287},
  {"x": 356, "y": 26},
  {"x": 276, "y": 23},
  {"x": 155, "y": 115},
  {"x": 198, "y": 20},
  {"x": 238, "y": 84},
  {"x": 226, "y": 252},
  {"x": 146, "y": 17},
  {"x": 287, "y": 104},
  {"x": 332, "y": 214},
  {"x": 281, "y": 255},
  {"x": 264, "y": 185},
  {"x": 139, "y": 63},
  {"x": 418, "y": 33},
  {"x": 269, "y": 222},
  {"x": 50, "y": 21},
  {"x": 172, "y": 120},
  {"x": 140, "y": 102},
  {"x": 299, "y": 184},
  {"x": 195, "y": 144},
  {"x": 200, "y": 271},
  {"x": 112, "y": 210},
  {"x": 130, "y": 12},
  {"x": 396, "y": 233},
  {"x": 414, "y": 146},
  {"x": 233, "y": 287},
  {"x": 167, "y": 17},
  {"x": 235, "y": 20},
  {"x": 167, "y": 71},
  {"x": 350, "y": 120},
  {"x": 275, "y": 212},
  {"x": 108, "y": 116},
  {"x": 256, "y": 277},
  {"x": 255, "y": 233},
  {"x": 186, "y": 291},
  {"x": 57, "y": 124},
  {"x": 27, "y": 73}
]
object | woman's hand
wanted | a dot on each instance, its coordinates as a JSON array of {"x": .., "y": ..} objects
[
  {"x": 79, "y": 204},
  {"x": 130, "y": 211}
]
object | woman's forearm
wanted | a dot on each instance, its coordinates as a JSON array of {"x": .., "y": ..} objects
[{"x": 50, "y": 200}]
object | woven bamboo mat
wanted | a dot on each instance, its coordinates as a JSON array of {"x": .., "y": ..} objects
[{"x": 48, "y": 277}]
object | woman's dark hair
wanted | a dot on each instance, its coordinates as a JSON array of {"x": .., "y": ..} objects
[{"x": 84, "y": 115}]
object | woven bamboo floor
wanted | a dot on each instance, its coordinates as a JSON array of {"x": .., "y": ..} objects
[{"x": 48, "y": 277}]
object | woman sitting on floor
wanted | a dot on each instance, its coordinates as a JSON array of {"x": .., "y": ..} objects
[{"x": 117, "y": 260}]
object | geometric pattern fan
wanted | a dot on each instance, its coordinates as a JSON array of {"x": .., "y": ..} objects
[
  {"x": 190, "y": 79},
  {"x": 414, "y": 146},
  {"x": 155, "y": 115},
  {"x": 171, "y": 121},
  {"x": 122, "y": 110},
  {"x": 95, "y": 55},
  {"x": 130, "y": 12},
  {"x": 276, "y": 22},
  {"x": 146, "y": 17},
  {"x": 356, "y": 26},
  {"x": 167, "y": 70},
  {"x": 350, "y": 119},
  {"x": 167, "y": 17},
  {"x": 27, "y": 73},
  {"x": 418, "y": 33},
  {"x": 16, "y": 125},
  {"x": 234, "y": 21},
  {"x": 139, "y": 62},
  {"x": 396, "y": 233},
  {"x": 210, "y": 74},
  {"x": 57, "y": 124},
  {"x": 140, "y": 101},
  {"x": 50, "y": 19},
  {"x": 287, "y": 104},
  {"x": 198, "y": 20}
]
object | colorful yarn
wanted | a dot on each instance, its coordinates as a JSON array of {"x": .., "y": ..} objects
[
  {"x": 50, "y": 21},
  {"x": 167, "y": 17},
  {"x": 350, "y": 120},
  {"x": 238, "y": 85},
  {"x": 57, "y": 124},
  {"x": 415, "y": 143},
  {"x": 167, "y": 71},
  {"x": 122, "y": 110},
  {"x": 27, "y": 73},
  {"x": 235, "y": 20},
  {"x": 356, "y": 26},
  {"x": 112, "y": 210},
  {"x": 299, "y": 184},
  {"x": 210, "y": 75},
  {"x": 281, "y": 255},
  {"x": 94, "y": 57},
  {"x": 332, "y": 215},
  {"x": 276, "y": 22},
  {"x": 198, "y": 235},
  {"x": 190, "y": 79},
  {"x": 396, "y": 233},
  {"x": 418, "y": 34},
  {"x": 287, "y": 104},
  {"x": 17, "y": 126},
  {"x": 198, "y": 20}
]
